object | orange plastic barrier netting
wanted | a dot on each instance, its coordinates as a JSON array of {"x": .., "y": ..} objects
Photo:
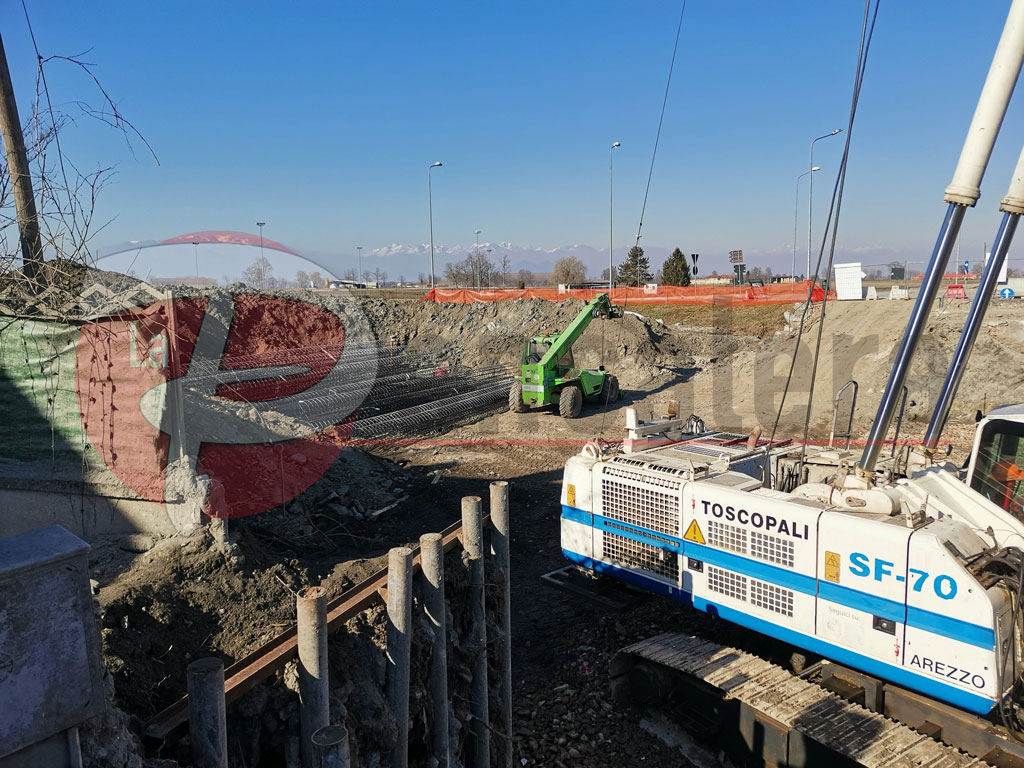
[{"x": 776, "y": 293}]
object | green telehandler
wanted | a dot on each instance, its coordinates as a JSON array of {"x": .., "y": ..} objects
[{"x": 549, "y": 374}]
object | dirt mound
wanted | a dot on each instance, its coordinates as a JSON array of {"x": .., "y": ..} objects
[
  {"x": 859, "y": 341},
  {"x": 491, "y": 334}
]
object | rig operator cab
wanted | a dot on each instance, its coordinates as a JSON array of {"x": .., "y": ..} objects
[{"x": 995, "y": 469}]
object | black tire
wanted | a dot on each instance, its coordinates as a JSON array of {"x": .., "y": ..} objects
[
  {"x": 515, "y": 398},
  {"x": 611, "y": 387},
  {"x": 570, "y": 402}
]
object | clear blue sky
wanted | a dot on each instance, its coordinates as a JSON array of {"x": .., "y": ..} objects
[{"x": 321, "y": 119}]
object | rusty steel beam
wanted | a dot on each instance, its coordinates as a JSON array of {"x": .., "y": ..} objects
[{"x": 245, "y": 674}]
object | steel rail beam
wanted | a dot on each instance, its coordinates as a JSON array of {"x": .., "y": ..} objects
[{"x": 246, "y": 673}]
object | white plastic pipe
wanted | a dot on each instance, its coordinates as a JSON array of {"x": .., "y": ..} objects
[
  {"x": 965, "y": 188},
  {"x": 1014, "y": 200}
]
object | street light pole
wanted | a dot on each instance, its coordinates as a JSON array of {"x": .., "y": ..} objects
[
  {"x": 359, "y": 271},
  {"x": 430, "y": 207},
  {"x": 796, "y": 207},
  {"x": 476, "y": 255},
  {"x": 810, "y": 197},
  {"x": 610, "y": 219},
  {"x": 260, "y": 225}
]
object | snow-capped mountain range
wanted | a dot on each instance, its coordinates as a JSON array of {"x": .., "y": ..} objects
[{"x": 409, "y": 260}]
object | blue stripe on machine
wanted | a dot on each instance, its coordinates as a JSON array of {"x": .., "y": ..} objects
[
  {"x": 798, "y": 581},
  {"x": 633, "y": 577},
  {"x": 861, "y": 601},
  {"x": 576, "y": 515},
  {"x": 958, "y": 629},
  {"x": 899, "y": 675},
  {"x": 947, "y": 626},
  {"x": 627, "y": 530}
]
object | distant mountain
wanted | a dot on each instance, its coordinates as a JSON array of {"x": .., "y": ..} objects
[{"x": 409, "y": 260}]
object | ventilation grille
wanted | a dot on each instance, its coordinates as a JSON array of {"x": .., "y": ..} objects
[
  {"x": 643, "y": 556},
  {"x": 727, "y": 583},
  {"x": 642, "y": 507},
  {"x": 771, "y": 597},
  {"x": 641, "y": 477},
  {"x": 729, "y": 537},
  {"x": 771, "y": 548}
]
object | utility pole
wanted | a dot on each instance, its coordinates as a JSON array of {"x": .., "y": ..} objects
[{"x": 17, "y": 165}]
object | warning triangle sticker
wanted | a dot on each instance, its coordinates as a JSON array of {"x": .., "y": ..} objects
[
  {"x": 832, "y": 559},
  {"x": 693, "y": 533}
]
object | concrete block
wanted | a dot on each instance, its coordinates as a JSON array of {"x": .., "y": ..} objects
[{"x": 50, "y": 667}]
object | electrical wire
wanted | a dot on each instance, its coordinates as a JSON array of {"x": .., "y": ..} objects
[
  {"x": 661, "y": 120},
  {"x": 867, "y": 30},
  {"x": 867, "y": 33},
  {"x": 643, "y": 207}
]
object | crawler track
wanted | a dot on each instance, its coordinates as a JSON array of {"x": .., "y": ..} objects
[{"x": 771, "y": 713}]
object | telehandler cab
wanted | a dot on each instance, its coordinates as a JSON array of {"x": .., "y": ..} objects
[{"x": 549, "y": 375}]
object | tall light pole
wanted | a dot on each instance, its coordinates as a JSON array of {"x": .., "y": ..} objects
[
  {"x": 260, "y": 224},
  {"x": 359, "y": 272},
  {"x": 796, "y": 207},
  {"x": 476, "y": 273},
  {"x": 610, "y": 219},
  {"x": 810, "y": 197},
  {"x": 195, "y": 250},
  {"x": 430, "y": 207}
]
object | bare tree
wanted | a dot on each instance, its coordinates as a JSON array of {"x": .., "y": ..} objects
[
  {"x": 568, "y": 270},
  {"x": 506, "y": 262},
  {"x": 302, "y": 278},
  {"x": 258, "y": 274},
  {"x": 525, "y": 277},
  {"x": 63, "y": 195}
]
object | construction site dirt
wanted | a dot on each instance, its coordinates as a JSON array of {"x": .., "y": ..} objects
[{"x": 166, "y": 601}]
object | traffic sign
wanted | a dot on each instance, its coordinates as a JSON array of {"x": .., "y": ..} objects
[
  {"x": 1006, "y": 293},
  {"x": 736, "y": 257},
  {"x": 967, "y": 266}
]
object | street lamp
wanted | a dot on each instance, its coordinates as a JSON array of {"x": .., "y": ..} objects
[
  {"x": 796, "y": 206},
  {"x": 610, "y": 230},
  {"x": 476, "y": 273},
  {"x": 359, "y": 272},
  {"x": 810, "y": 197},
  {"x": 195, "y": 250},
  {"x": 430, "y": 207},
  {"x": 260, "y": 225}
]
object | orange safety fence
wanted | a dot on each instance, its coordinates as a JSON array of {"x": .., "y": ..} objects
[{"x": 775, "y": 293}]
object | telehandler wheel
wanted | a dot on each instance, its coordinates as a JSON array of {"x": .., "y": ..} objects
[
  {"x": 515, "y": 398},
  {"x": 570, "y": 401},
  {"x": 611, "y": 385}
]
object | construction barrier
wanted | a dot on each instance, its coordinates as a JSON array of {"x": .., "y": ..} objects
[{"x": 776, "y": 293}]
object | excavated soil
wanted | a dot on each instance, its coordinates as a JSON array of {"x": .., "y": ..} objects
[{"x": 166, "y": 602}]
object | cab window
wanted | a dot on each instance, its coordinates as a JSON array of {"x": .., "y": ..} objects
[
  {"x": 535, "y": 352},
  {"x": 998, "y": 473}
]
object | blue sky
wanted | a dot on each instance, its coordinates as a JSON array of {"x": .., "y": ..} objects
[{"x": 321, "y": 119}]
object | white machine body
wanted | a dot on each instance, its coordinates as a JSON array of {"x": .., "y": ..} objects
[{"x": 890, "y": 593}]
